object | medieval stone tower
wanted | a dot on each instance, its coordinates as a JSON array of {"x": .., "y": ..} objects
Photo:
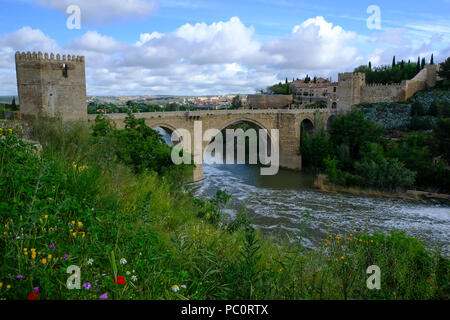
[
  {"x": 349, "y": 89},
  {"x": 50, "y": 86}
]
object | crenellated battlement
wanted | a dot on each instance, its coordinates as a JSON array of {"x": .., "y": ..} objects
[
  {"x": 371, "y": 85},
  {"x": 39, "y": 56}
]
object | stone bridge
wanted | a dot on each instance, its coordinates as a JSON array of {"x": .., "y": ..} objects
[{"x": 288, "y": 122}]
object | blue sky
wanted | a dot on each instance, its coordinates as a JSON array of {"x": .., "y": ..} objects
[{"x": 219, "y": 47}]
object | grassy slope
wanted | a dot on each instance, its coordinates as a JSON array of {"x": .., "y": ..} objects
[{"x": 156, "y": 227}]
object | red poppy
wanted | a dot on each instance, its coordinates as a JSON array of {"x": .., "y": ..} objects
[
  {"x": 33, "y": 296},
  {"x": 120, "y": 280}
]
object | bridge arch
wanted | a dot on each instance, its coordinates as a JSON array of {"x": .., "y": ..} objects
[
  {"x": 307, "y": 125},
  {"x": 169, "y": 129}
]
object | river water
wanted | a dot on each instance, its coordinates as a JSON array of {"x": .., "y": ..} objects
[{"x": 286, "y": 203}]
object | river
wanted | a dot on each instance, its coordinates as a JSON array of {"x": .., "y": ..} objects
[
  {"x": 283, "y": 203},
  {"x": 288, "y": 204}
]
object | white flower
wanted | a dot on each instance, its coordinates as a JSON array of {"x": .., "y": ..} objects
[
  {"x": 134, "y": 278},
  {"x": 183, "y": 286},
  {"x": 123, "y": 261},
  {"x": 128, "y": 273},
  {"x": 90, "y": 262},
  {"x": 175, "y": 288}
]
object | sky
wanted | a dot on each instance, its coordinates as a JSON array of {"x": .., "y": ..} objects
[{"x": 212, "y": 47}]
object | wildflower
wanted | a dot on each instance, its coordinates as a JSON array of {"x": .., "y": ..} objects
[
  {"x": 52, "y": 246},
  {"x": 123, "y": 261},
  {"x": 8, "y": 286},
  {"x": 134, "y": 278},
  {"x": 104, "y": 274},
  {"x": 49, "y": 256},
  {"x": 351, "y": 235},
  {"x": 5, "y": 233},
  {"x": 80, "y": 224},
  {"x": 1, "y": 284},
  {"x": 74, "y": 234},
  {"x": 104, "y": 296},
  {"x": 90, "y": 262},
  {"x": 120, "y": 280},
  {"x": 175, "y": 288},
  {"x": 20, "y": 276},
  {"x": 36, "y": 289},
  {"x": 87, "y": 286},
  {"x": 342, "y": 258},
  {"x": 46, "y": 216},
  {"x": 34, "y": 296},
  {"x": 44, "y": 261},
  {"x": 183, "y": 286},
  {"x": 128, "y": 273},
  {"x": 10, "y": 130},
  {"x": 66, "y": 256},
  {"x": 73, "y": 222}
]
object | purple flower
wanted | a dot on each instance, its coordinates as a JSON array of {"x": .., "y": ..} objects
[
  {"x": 87, "y": 286},
  {"x": 66, "y": 256},
  {"x": 36, "y": 289},
  {"x": 52, "y": 246},
  {"x": 104, "y": 296},
  {"x": 19, "y": 276}
]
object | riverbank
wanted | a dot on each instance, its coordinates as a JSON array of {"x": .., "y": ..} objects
[
  {"x": 322, "y": 183},
  {"x": 141, "y": 236}
]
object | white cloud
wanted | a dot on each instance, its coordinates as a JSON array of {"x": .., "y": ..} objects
[
  {"x": 104, "y": 11},
  {"x": 217, "y": 58},
  {"x": 93, "y": 41}
]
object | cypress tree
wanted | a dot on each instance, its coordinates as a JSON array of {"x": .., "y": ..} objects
[
  {"x": 432, "y": 59},
  {"x": 423, "y": 63},
  {"x": 393, "y": 62},
  {"x": 418, "y": 65},
  {"x": 370, "y": 66}
]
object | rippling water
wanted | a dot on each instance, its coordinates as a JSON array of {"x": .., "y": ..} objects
[{"x": 279, "y": 204}]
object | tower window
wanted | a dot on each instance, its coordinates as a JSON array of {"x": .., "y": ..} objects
[{"x": 65, "y": 70}]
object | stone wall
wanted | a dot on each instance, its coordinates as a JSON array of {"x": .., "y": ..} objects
[
  {"x": 373, "y": 93},
  {"x": 51, "y": 86},
  {"x": 268, "y": 101}
]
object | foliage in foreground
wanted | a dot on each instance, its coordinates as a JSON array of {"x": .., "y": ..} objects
[{"x": 136, "y": 236}]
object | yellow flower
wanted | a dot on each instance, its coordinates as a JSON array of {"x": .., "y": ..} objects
[
  {"x": 25, "y": 249},
  {"x": 10, "y": 130},
  {"x": 80, "y": 224},
  {"x": 44, "y": 261},
  {"x": 73, "y": 222},
  {"x": 351, "y": 234},
  {"x": 331, "y": 236},
  {"x": 40, "y": 219},
  {"x": 33, "y": 256},
  {"x": 342, "y": 258},
  {"x": 1, "y": 284},
  {"x": 8, "y": 286},
  {"x": 346, "y": 262},
  {"x": 83, "y": 235},
  {"x": 74, "y": 234},
  {"x": 25, "y": 253},
  {"x": 33, "y": 250},
  {"x": 371, "y": 241},
  {"x": 49, "y": 256},
  {"x": 5, "y": 233},
  {"x": 46, "y": 216}
]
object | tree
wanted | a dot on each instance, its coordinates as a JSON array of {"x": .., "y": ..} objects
[
  {"x": 444, "y": 71},
  {"x": 423, "y": 63},
  {"x": 393, "y": 62},
  {"x": 353, "y": 130},
  {"x": 236, "y": 103},
  {"x": 370, "y": 66},
  {"x": 432, "y": 59},
  {"x": 441, "y": 137},
  {"x": 13, "y": 104},
  {"x": 418, "y": 65}
]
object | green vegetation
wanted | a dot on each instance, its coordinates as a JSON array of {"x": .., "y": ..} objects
[
  {"x": 390, "y": 74},
  {"x": 356, "y": 154},
  {"x": 137, "y": 234}
]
